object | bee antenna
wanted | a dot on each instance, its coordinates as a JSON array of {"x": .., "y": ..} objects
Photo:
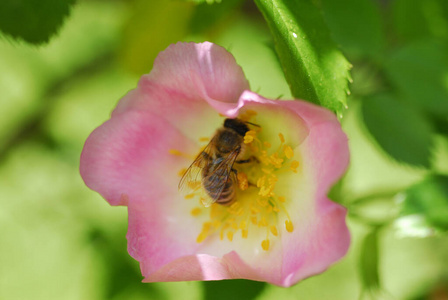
[{"x": 256, "y": 125}]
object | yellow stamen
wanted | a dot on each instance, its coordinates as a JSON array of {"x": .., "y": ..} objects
[
  {"x": 288, "y": 225},
  {"x": 201, "y": 237},
  {"x": 265, "y": 244},
  {"x": 175, "y": 152},
  {"x": 230, "y": 235},
  {"x": 282, "y": 138},
  {"x": 216, "y": 223},
  {"x": 289, "y": 153},
  {"x": 294, "y": 166},
  {"x": 274, "y": 230},
  {"x": 234, "y": 225},
  {"x": 263, "y": 222},
  {"x": 261, "y": 181},
  {"x": 267, "y": 145},
  {"x": 196, "y": 211},
  {"x": 243, "y": 224},
  {"x": 189, "y": 196},
  {"x": 243, "y": 182},
  {"x": 275, "y": 160},
  {"x": 254, "y": 220},
  {"x": 249, "y": 136}
]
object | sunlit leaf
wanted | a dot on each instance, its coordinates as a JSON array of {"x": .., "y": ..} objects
[
  {"x": 429, "y": 200},
  {"x": 359, "y": 33},
  {"x": 398, "y": 128},
  {"x": 33, "y": 21},
  {"x": 313, "y": 65}
]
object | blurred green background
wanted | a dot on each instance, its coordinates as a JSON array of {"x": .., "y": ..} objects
[{"x": 59, "y": 240}]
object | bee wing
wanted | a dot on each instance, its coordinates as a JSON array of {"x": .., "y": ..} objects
[
  {"x": 191, "y": 181},
  {"x": 222, "y": 172}
]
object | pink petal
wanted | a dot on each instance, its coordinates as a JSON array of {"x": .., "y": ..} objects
[
  {"x": 326, "y": 238},
  {"x": 185, "y": 77},
  {"x": 122, "y": 158}
]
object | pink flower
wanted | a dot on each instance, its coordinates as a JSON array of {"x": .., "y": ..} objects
[{"x": 281, "y": 228}]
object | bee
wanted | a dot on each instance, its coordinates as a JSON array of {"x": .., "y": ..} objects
[{"x": 212, "y": 171}]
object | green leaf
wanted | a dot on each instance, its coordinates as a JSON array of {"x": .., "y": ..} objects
[
  {"x": 360, "y": 33},
  {"x": 33, "y": 21},
  {"x": 416, "y": 19},
  {"x": 398, "y": 128},
  {"x": 313, "y": 65},
  {"x": 419, "y": 72},
  {"x": 369, "y": 258},
  {"x": 429, "y": 199}
]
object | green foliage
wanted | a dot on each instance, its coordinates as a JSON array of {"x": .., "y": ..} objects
[
  {"x": 359, "y": 34},
  {"x": 33, "y": 21},
  {"x": 368, "y": 264},
  {"x": 416, "y": 19},
  {"x": 313, "y": 65},
  {"x": 419, "y": 72},
  {"x": 398, "y": 128},
  {"x": 429, "y": 199}
]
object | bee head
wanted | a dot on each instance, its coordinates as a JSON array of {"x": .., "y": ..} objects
[{"x": 236, "y": 125}]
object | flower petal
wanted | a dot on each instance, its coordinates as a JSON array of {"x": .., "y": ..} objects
[
  {"x": 122, "y": 156},
  {"x": 183, "y": 76},
  {"x": 323, "y": 238}
]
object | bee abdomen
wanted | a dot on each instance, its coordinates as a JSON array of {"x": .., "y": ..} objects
[
  {"x": 223, "y": 195},
  {"x": 227, "y": 196}
]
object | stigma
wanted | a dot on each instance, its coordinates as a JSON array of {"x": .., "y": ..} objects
[{"x": 259, "y": 209}]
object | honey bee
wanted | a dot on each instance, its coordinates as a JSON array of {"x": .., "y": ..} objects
[{"x": 212, "y": 171}]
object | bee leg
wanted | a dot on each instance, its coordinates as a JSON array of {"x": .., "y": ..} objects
[{"x": 250, "y": 159}]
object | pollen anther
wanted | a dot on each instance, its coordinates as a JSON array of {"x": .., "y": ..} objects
[
  {"x": 289, "y": 153},
  {"x": 265, "y": 244},
  {"x": 196, "y": 211},
  {"x": 289, "y": 226},
  {"x": 242, "y": 181}
]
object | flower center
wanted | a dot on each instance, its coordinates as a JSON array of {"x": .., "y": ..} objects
[{"x": 258, "y": 206}]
